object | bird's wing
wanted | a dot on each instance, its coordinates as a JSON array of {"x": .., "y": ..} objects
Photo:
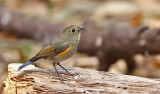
[
  {"x": 50, "y": 50},
  {"x": 62, "y": 48}
]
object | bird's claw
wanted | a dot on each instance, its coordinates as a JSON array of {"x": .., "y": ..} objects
[
  {"x": 62, "y": 80},
  {"x": 74, "y": 74}
]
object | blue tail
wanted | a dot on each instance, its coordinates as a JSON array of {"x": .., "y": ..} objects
[{"x": 24, "y": 65}]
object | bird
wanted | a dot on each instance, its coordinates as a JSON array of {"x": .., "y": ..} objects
[{"x": 60, "y": 49}]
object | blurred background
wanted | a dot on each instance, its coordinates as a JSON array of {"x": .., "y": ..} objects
[{"x": 112, "y": 27}]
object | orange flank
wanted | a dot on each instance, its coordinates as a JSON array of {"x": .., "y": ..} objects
[{"x": 65, "y": 51}]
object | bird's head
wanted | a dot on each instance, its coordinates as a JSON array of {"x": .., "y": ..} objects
[{"x": 72, "y": 30}]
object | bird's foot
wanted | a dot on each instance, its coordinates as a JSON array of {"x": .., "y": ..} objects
[
  {"x": 62, "y": 79},
  {"x": 74, "y": 74}
]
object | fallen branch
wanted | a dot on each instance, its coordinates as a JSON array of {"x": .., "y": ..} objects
[
  {"x": 43, "y": 81},
  {"x": 15, "y": 23}
]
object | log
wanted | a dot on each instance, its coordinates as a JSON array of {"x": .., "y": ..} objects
[{"x": 33, "y": 80}]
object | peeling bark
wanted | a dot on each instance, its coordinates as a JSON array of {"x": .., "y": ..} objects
[{"x": 34, "y": 80}]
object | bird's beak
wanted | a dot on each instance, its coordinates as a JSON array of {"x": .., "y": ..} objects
[{"x": 81, "y": 28}]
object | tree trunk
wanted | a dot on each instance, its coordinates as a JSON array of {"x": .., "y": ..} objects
[{"x": 34, "y": 80}]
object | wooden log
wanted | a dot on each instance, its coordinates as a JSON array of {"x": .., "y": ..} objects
[{"x": 33, "y": 80}]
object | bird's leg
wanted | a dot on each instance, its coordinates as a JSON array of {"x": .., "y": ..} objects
[
  {"x": 66, "y": 70},
  {"x": 54, "y": 64}
]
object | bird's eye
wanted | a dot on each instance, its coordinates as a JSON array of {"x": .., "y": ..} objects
[{"x": 73, "y": 30}]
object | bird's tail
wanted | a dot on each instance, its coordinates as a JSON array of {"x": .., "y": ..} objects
[{"x": 24, "y": 65}]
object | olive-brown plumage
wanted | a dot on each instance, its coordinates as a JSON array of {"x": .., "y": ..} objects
[{"x": 61, "y": 48}]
